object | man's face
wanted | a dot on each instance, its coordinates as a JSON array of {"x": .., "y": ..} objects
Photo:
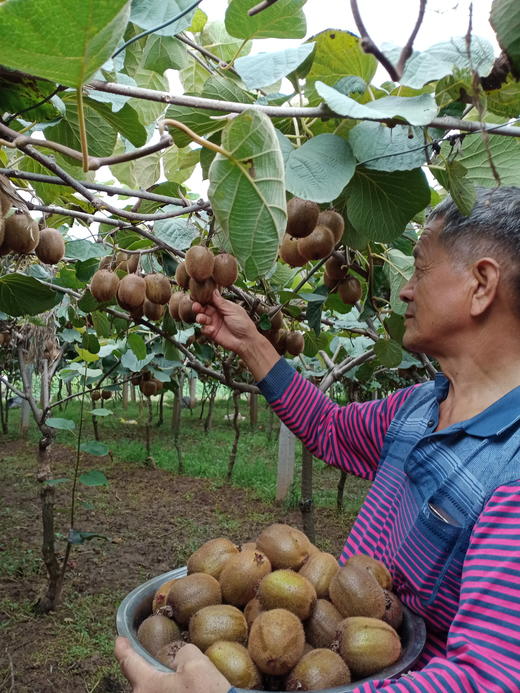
[{"x": 437, "y": 297}]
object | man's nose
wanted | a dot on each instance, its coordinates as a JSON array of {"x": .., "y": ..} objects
[{"x": 406, "y": 292}]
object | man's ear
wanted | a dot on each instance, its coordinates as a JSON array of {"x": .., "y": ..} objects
[{"x": 486, "y": 273}]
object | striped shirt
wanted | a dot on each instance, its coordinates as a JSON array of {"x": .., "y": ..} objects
[{"x": 443, "y": 513}]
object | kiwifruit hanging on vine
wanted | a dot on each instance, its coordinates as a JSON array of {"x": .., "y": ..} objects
[
  {"x": 302, "y": 216},
  {"x": 294, "y": 343},
  {"x": 329, "y": 281},
  {"x": 51, "y": 246},
  {"x": 21, "y": 234},
  {"x": 355, "y": 592},
  {"x": 211, "y": 557},
  {"x": 374, "y": 566},
  {"x": 289, "y": 252},
  {"x": 225, "y": 269},
  {"x": 107, "y": 262},
  {"x": 234, "y": 661},
  {"x": 173, "y": 304},
  {"x": 103, "y": 285},
  {"x": 319, "y": 569},
  {"x": 284, "y": 546},
  {"x": 95, "y": 395},
  {"x": 199, "y": 262},
  {"x": 240, "y": 576},
  {"x": 158, "y": 289},
  {"x": 106, "y": 394},
  {"x": 276, "y": 641},
  {"x": 193, "y": 592},
  {"x": 320, "y": 627},
  {"x": 153, "y": 311},
  {"x": 349, "y": 290},
  {"x": 148, "y": 388},
  {"x": 217, "y": 622},
  {"x": 318, "y": 244},
  {"x": 159, "y": 385},
  {"x": 318, "y": 669},
  {"x": 394, "y": 612},
  {"x": 202, "y": 292},
  {"x": 136, "y": 312},
  {"x": 278, "y": 339},
  {"x": 367, "y": 645},
  {"x": 336, "y": 268},
  {"x": 131, "y": 291},
  {"x": 132, "y": 261},
  {"x": 334, "y": 221},
  {"x": 287, "y": 589},
  {"x": 186, "y": 312},
  {"x": 181, "y": 276},
  {"x": 156, "y": 631}
]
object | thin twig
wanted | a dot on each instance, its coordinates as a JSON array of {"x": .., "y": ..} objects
[
  {"x": 260, "y": 7},
  {"x": 408, "y": 48},
  {"x": 369, "y": 46}
]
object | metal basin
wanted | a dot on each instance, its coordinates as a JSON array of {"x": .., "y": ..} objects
[{"x": 137, "y": 605}]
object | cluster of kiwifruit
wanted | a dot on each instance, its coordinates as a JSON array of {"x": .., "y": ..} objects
[
  {"x": 147, "y": 383},
  {"x": 284, "y": 341},
  {"x": 278, "y": 614},
  {"x": 19, "y": 233},
  {"x": 100, "y": 394},
  {"x": 198, "y": 276}
]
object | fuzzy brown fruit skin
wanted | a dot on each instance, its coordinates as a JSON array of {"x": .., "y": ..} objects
[
  {"x": 217, "y": 622},
  {"x": 289, "y": 252},
  {"x": 284, "y": 546},
  {"x": 355, "y": 592},
  {"x": 233, "y": 661},
  {"x": 106, "y": 394},
  {"x": 104, "y": 285},
  {"x": 131, "y": 291},
  {"x": 302, "y": 216},
  {"x": 318, "y": 244},
  {"x": 276, "y": 641},
  {"x": 51, "y": 246},
  {"x": 287, "y": 589},
  {"x": 186, "y": 312},
  {"x": 181, "y": 276},
  {"x": 5, "y": 203},
  {"x": 148, "y": 388},
  {"x": 294, "y": 343},
  {"x": 241, "y": 574},
  {"x": 193, "y": 592},
  {"x": 96, "y": 395},
  {"x": 158, "y": 289},
  {"x": 173, "y": 304},
  {"x": 199, "y": 262},
  {"x": 320, "y": 627},
  {"x": 349, "y": 290},
  {"x": 157, "y": 631},
  {"x": 335, "y": 268},
  {"x": 394, "y": 613},
  {"x": 21, "y": 233},
  {"x": 202, "y": 291},
  {"x": 318, "y": 669},
  {"x": 377, "y": 568},
  {"x": 153, "y": 311},
  {"x": 225, "y": 269},
  {"x": 367, "y": 645},
  {"x": 334, "y": 221},
  {"x": 211, "y": 557},
  {"x": 252, "y": 609},
  {"x": 319, "y": 569}
]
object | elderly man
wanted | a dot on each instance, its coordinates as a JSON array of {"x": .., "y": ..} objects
[{"x": 443, "y": 512}]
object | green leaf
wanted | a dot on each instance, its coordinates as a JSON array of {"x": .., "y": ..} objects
[
  {"x": 314, "y": 343},
  {"x": 394, "y": 325},
  {"x": 315, "y": 308},
  {"x": 453, "y": 179},
  {"x": 132, "y": 363},
  {"x": 380, "y": 204},
  {"x": 138, "y": 173},
  {"x": 22, "y": 295},
  {"x": 61, "y": 424},
  {"x": 398, "y": 269},
  {"x": 178, "y": 232},
  {"x": 416, "y": 110},
  {"x": 58, "y": 40},
  {"x": 94, "y": 447},
  {"x": 505, "y": 19},
  {"x": 86, "y": 355},
  {"x": 284, "y": 19},
  {"x": 90, "y": 343},
  {"x": 125, "y": 121},
  {"x": 137, "y": 345},
  {"x": 218, "y": 41},
  {"x": 48, "y": 193},
  {"x": 179, "y": 164},
  {"x": 84, "y": 250},
  {"x": 389, "y": 353},
  {"x": 20, "y": 92},
  {"x": 94, "y": 478},
  {"x": 320, "y": 168},
  {"x": 87, "y": 303},
  {"x": 85, "y": 269},
  {"x": 76, "y": 537},
  {"x": 505, "y": 101},
  {"x": 149, "y": 15},
  {"x": 101, "y": 412},
  {"x": 264, "y": 69},
  {"x": 388, "y": 149},
  {"x": 101, "y": 324},
  {"x": 247, "y": 191},
  {"x": 474, "y": 156}
]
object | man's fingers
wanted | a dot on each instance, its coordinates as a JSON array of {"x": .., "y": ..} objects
[
  {"x": 132, "y": 665},
  {"x": 188, "y": 654}
]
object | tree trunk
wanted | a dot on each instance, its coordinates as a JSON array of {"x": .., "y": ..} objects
[
  {"x": 285, "y": 474},
  {"x": 132, "y": 393},
  {"x": 25, "y": 412},
  {"x": 306, "y": 502},
  {"x": 341, "y": 490},
  {"x": 176, "y": 422},
  {"x": 211, "y": 405},
  {"x": 193, "y": 391},
  {"x": 160, "y": 420},
  {"x": 126, "y": 387},
  {"x": 253, "y": 410},
  {"x": 236, "y": 426},
  {"x": 270, "y": 425},
  {"x": 3, "y": 411}
]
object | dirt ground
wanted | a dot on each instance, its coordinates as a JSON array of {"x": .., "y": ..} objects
[{"x": 152, "y": 521}]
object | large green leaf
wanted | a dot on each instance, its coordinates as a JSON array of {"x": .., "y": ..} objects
[
  {"x": 216, "y": 39},
  {"x": 61, "y": 424},
  {"x": 137, "y": 344},
  {"x": 125, "y": 121},
  {"x": 81, "y": 249},
  {"x": 284, "y": 19},
  {"x": 319, "y": 169},
  {"x": 505, "y": 19},
  {"x": 137, "y": 173},
  {"x": 388, "y": 149},
  {"x": 60, "y": 40},
  {"x": 505, "y": 101},
  {"x": 178, "y": 233},
  {"x": 22, "y": 295},
  {"x": 380, "y": 204},
  {"x": 398, "y": 269},
  {"x": 94, "y": 447},
  {"x": 247, "y": 191},
  {"x": 20, "y": 92},
  {"x": 475, "y": 153},
  {"x": 453, "y": 178},
  {"x": 388, "y": 352},
  {"x": 179, "y": 164},
  {"x": 47, "y": 192},
  {"x": 416, "y": 110},
  {"x": 264, "y": 69},
  {"x": 149, "y": 15}
]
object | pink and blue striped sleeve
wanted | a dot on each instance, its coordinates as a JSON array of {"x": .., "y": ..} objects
[
  {"x": 349, "y": 437},
  {"x": 483, "y": 647}
]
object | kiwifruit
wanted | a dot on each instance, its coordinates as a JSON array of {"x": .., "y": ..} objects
[
  {"x": 367, "y": 645},
  {"x": 159, "y": 385},
  {"x": 5, "y": 203},
  {"x": 302, "y": 216},
  {"x": 241, "y": 574},
  {"x": 217, "y": 622},
  {"x": 131, "y": 291},
  {"x": 334, "y": 221},
  {"x": 234, "y": 661},
  {"x": 225, "y": 269},
  {"x": 186, "y": 313},
  {"x": 181, "y": 276},
  {"x": 106, "y": 394},
  {"x": 294, "y": 343},
  {"x": 319, "y": 570},
  {"x": 318, "y": 669},
  {"x": 145, "y": 375},
  {"x": 394, "y": 612},
  {"x": 202, "y": 291},
  {"x": 318, "y": 244},
  {"x": 284, "y": 546},
  {"x": 158, "y": 289},
  {"x": 166, "y": 655},
  {"x": 289, "y": 252},
  {"x": 192, "y": 592},
  {"x": 157, "y": 630},
  {"x": 336, "y": 268},
  {"x": 199, "y": 262},
  {"x": 329, "y": 282},
  {"x": 148, "y": 388},
  {"x": 132, "y": 261},
  {"x": 349, "y": 290},
  {"x": 95, "y": 395},
  {"x": 287, "y": 589},
  {"x": 51, "y": 246},
  {"x": 153, "y": 311},
  {"x": 160, "y": 598},
  {"x": 106, "y": 262},
  {"x": 136, "y": 312},
  {"x": 173, "y": 304},
  {"x": 103, "y": 285},
  {"x": 248, "y": 545},
  {"x": 251, "y": 610},
  {"x": 355, "y": 592},
  {"x": 276, "y": 641},
  {"x": 278, "y": 339},
  {"x": 21, "y": 233},
  {"x": 211, "y": 557},
  {"x": 377, "y": 568},
  {"x": 320, "y": 627}
]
